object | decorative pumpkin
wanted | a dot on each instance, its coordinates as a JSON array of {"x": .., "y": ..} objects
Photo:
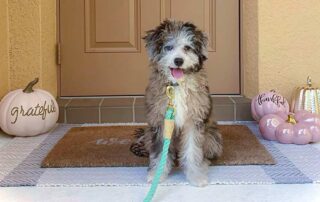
[
  {"x": 268, "y": 103},
  {"x": 300, "y": 128},
  {"x": 306, "y": 98},
  {"x": 28, "y": 112}
]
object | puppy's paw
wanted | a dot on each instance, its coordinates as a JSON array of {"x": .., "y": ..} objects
[
  {"x": 199, "y": 182},
  {"x": 212, "y": 147},
  {"x": 151, "y": 176}
]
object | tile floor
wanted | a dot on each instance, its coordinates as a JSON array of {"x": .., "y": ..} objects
[{"x": 215, "y": 193}]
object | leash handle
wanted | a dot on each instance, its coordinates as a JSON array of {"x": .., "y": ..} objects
[{"x": 169, "y": 123}]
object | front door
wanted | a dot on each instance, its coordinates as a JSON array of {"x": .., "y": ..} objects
[{"x": 102, "y": 52}]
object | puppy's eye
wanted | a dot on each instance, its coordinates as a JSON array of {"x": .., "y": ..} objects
[
  {"x": 187, "y": 48},
  {"x": 168, "y": 48}
]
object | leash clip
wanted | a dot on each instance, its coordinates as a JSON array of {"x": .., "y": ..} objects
[{"x": 170, "y": 94}]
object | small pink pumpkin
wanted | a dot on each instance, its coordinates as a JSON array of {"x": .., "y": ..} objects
[
  {"x": 300, "y": 128},
  {"x": 268, "y": 103}
]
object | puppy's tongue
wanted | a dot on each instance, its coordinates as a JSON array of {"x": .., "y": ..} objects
[{"x": 177, "y": 73}]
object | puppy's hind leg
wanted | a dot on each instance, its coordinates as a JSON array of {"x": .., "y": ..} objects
[
  {"x": 155, "y": 149},
  {"x": 191, "y": 156},
  {"x": 212, "y": 146}
]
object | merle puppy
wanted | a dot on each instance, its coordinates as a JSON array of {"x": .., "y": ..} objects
[{"x": 177, "y": 51}]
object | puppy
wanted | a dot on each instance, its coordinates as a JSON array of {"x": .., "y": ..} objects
[{"x": 176, "y": 52}]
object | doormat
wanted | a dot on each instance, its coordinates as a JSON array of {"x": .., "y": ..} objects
[
  {"x": 21, "y": 162},
  {"x": 105, "y": 146}
]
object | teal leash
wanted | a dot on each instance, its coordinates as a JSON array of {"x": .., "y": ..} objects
[
  {"x": 168, "y": 130},
  {"x": 156, "y": 178}
]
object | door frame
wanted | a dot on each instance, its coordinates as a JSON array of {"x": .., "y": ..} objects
[
  {"x": 241, "y": 49},
  {"x": 58, "y": 47},
  {"x": 241, "y": 55}
]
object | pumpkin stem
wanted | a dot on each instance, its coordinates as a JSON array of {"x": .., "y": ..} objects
[
  {"x": 28, "y": 88},
  {"x": 309, "y": 82},
  {"x": 291, "y": 119}
]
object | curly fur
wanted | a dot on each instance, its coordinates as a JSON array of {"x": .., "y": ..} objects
[{"x": 196, "y": 138}]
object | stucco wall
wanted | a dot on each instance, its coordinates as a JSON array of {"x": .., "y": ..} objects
[
  {"x": 249, "y": 47},
  {"x": 4, "y": 59},
  {"x": 48, "y": 46},
  {"x": 31, "y": 37},
  {"x": 286, "y": 47}
]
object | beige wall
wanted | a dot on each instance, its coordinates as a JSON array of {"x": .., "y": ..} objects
[
  {"x": 4, "y": 57},
  {"x": 249, "y": 47},
  {"x": 280, "y": 44},
  {"x": 285, "y": 44},
  {"x": 28, "y": 30}
]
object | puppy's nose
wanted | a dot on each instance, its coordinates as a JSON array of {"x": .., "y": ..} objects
[{"x": 178, "y": 61}]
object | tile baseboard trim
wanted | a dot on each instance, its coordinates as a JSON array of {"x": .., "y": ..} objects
[{"x": 131, "y": 109}]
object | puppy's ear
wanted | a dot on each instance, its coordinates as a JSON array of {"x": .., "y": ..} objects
[
  {"x": 155, "y": 38},
  {"x": 151, "y": 42},
  {"x": 202, "y": 42}
]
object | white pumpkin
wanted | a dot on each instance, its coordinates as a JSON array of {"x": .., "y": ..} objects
[{"x": 28, "y": 112}]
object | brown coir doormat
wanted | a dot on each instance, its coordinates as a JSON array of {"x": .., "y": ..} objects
[{"x": 105, "y": 146}]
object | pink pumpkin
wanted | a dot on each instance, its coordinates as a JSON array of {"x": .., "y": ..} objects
[
  {"x": 301, "y": 128},
  {"x": 268, "y": 103}
]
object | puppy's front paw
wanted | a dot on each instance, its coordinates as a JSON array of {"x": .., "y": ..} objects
[
  {"x": 199, "y": 181},
  {"x": 151, "y": 176}
]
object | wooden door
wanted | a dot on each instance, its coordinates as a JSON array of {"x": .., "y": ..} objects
[{"x": 102, "y": 52}]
